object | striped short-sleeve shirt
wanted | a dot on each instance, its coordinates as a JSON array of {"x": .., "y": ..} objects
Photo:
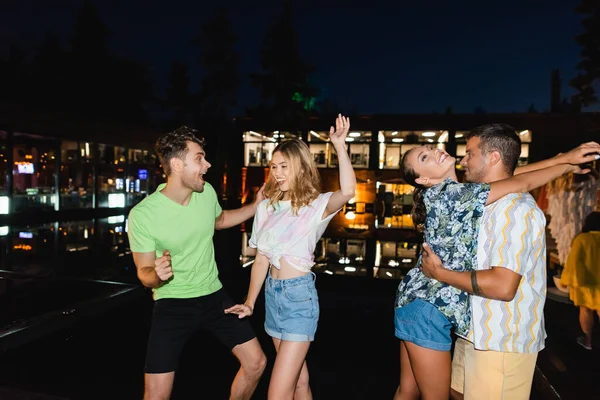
[{"x": 512, "y": 235}]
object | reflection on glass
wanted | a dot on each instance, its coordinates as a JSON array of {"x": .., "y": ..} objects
[
  {"x": 137, "y": 189},
  {"x": 112, "y": 237},
  {"x": 359, "y": 154},
  {"x": 116, "y": 200},
  {"x": 111, "y": 174},
  {"x": 259, "y": 146},
  {"x": 320, "y": 153},
  {"x": 33, "y": 173},
  {"x": 4, "y": 248},
  {"x": 4, "y": 205},
  {"x": 32, "y": 248},
  {"x": 258, "y": 154},
  {"x": 4, "y": 168},
  {"x": 394, "y": 259},
  {"x": 395, "y": 200},
  {"x": 76, "y": 236},
  {"x": 340, "y": 251},
  {"x": 76, "y": 178}
]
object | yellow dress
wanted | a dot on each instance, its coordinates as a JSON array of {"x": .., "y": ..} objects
[{"x": 582, "y": 270}]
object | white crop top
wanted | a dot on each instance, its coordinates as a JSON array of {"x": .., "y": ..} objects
[{"x": 280, "y": 234}]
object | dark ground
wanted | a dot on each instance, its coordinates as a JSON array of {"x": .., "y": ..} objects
[{"x": 95, "y": 349}]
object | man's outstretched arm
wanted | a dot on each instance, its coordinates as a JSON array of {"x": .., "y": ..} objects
[{"x": 230, "y": 218}]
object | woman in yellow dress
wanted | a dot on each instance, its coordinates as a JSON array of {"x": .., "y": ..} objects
[{"x": 582, "y": 275}]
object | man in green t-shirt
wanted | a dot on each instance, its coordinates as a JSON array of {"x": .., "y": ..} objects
[{"x": 171, "y": 237}]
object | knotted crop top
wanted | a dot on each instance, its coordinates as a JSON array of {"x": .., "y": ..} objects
[{"x": 278, "y": 233}]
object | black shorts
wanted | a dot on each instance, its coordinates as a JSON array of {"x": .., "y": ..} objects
[{"x": 175, "y": 320}]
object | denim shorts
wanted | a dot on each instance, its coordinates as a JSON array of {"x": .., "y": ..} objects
[
  {"x": 292, "y": 308},
  {"x": 421, "y": 323}
]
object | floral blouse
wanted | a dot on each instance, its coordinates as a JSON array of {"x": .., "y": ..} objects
[{"x": 454, "y": 212}]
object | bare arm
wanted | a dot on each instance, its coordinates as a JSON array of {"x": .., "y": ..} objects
[
  {"x": 257, "y": 279},
  {"x": 229, "y": 218},
  {"x": 151, "y": 271},
  {"x": 528, "y": 181},
  {"x": 497, "y": 283},
  {"x": 347, "y": 175},
  {"x": 584, "y": 153}
]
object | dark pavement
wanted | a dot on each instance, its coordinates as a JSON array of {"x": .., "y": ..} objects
[
  {"x": 355, "y": 355},
  {"x": 80, "y": 349}
]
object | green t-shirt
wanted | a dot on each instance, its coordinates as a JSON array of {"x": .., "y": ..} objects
[{"x": 157, "y": 223}]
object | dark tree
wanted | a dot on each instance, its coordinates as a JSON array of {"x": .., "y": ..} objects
[
  {"x": 48, "y": 75},
  {"x": 218, "y": 93},
  {"x": 220, "y": 62},
  {"x": 179, "y": 100},
  {"x": 586, "y": 81},
  {"x": 14, "y": 76},
  {"x": 532, "y": 109},
  {"x": 131, "y": 90},
  {"x": 102, "y": 85},
  {"x": 89, "y": 63},
  {"x": 284, "y": 83}
]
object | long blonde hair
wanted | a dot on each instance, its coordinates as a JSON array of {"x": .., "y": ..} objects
[{"x": 304, "y": 179}]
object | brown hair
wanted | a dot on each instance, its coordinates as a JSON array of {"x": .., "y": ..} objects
[
  {"x": 174, "y": 144},
  {"x": 419, "y": 212}
]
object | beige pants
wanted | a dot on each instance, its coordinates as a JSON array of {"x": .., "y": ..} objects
[{"x": 491, "y": 375}]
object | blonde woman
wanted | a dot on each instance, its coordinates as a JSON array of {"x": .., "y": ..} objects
[{"x": 287, "y": 227}]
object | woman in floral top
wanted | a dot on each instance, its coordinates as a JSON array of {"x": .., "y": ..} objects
[{"x": 426, "y": 309}]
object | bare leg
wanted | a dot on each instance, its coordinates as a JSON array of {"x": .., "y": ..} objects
[
  {"x": 302, "y": 391},
  {"x": 432, "y": 371},
  {"x": 289, "y": 379},
  {"x": 252, "y": 364},
  {"x": 407, "y": 389},
  {"x": 586, "y": 320},
  {"x": 158, "y": 386}
]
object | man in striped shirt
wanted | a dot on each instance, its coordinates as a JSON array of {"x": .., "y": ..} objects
[{"x": 497, "y": 359}]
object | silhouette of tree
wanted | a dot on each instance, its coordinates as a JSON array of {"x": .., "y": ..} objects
[
  {"x": 532, "y": 109},
  {"x": 89, "y": 63},
  {"x": 220, "y": 61},
  {"x": 586, "y": 81},
  {"x": 132, "y": 90},
  {"x": 14, "y": 76},
  {"x": 102, "y": 85},
  {"x": 218, "y": 92},
  {"x": 48, "y": 75},
  {"x": 284, "y": 83},
  {"x": 179, "y": 100}
]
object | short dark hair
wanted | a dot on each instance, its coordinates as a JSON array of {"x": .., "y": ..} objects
[
  {"x": 174, "y": 144},
  {"x": 501, "y": 138},
  {"x": 591, "y": 222}
]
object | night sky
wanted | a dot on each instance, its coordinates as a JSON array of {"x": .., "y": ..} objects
[{"x": 392, "y": 57}]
